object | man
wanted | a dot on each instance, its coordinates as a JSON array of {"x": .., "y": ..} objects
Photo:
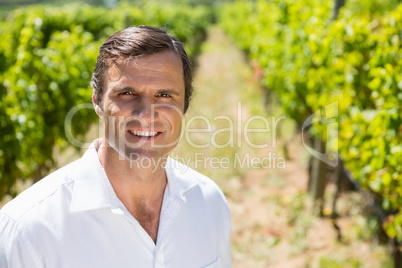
[{"x": 125, "y": 203}]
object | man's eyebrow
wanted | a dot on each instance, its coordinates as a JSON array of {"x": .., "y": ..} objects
[
  {"x": 123, "y": 88},
  {"x": 168, "y": 91},
  {"x": 159, "y": 91}
]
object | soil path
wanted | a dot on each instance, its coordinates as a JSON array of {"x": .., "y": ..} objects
[{"x": 225, "y": 86}]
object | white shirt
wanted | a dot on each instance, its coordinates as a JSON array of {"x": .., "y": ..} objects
[{"x": 73, "y": 218}]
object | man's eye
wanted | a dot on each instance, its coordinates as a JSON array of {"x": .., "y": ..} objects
[
  {"x": 126, "y": 93},
  {"x": 164, "y": 95}
]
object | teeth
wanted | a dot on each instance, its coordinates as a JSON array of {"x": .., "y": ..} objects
[{"x": 143, "y": 133}]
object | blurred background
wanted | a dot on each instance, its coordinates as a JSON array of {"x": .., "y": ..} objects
[{"x": 266, "y": 66}]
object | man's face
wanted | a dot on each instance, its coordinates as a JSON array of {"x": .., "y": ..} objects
[{"x": 143, "y": 106}]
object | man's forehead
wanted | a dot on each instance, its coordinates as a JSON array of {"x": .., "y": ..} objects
[
  {"x": 153, "y": 58},
  {"x": 113, "y": 73},
  {"x": 148, "y": 62}
]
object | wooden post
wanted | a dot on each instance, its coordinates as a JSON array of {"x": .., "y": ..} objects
[
  {"x": 337, "y": 178},
  {"x": 127, "y": 20},
  {"x": 396, "y": 253},
  {"x": 337, "y": 175},
  {"x": 318, "y": 179},
  {"x": 338, "y": 5}
]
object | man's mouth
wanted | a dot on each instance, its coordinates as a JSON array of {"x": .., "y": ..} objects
[{"x": 143, "y": 133}]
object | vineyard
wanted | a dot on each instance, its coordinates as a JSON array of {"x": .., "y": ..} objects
[
  {"x": 312, "y": 61},
  {"x": 339, "y": 77}
]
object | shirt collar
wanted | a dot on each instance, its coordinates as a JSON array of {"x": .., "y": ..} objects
[
  {"x": 181, "y": 179},
  {"x": 92, "y": 188}
]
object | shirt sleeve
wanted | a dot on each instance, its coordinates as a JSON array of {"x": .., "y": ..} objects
[
  {"x": 16, "y": 249},
  {"x": 226, "y": 260}
]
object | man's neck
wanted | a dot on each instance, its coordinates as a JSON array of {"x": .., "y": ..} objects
[
  {"x": 134, "y": 175},
  {"x": 140, "y": 189}
]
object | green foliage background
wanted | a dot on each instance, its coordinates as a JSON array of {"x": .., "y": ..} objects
[
  {"x": 47, "y": 55},
  {"x": 312, "y": 61}
]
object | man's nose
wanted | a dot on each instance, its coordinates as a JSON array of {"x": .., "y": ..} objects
[{"x": 145, "y": 109}]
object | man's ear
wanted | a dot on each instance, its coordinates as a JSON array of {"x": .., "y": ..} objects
[{"x": 98, "y": 109}]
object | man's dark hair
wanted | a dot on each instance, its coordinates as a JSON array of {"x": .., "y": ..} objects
[{"x": 138, "y": 41}]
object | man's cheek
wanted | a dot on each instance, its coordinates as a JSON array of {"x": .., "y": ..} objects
[{"x": 112, "y": 108}]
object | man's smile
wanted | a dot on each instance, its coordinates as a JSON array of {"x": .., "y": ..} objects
[{"x": 143, "y": 133}]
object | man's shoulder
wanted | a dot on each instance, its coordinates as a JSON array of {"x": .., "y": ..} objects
[
  {"x": 200, "y": 192},
  {"x": 189, "y": 178},
  {"x": 41, "y": 191}
]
